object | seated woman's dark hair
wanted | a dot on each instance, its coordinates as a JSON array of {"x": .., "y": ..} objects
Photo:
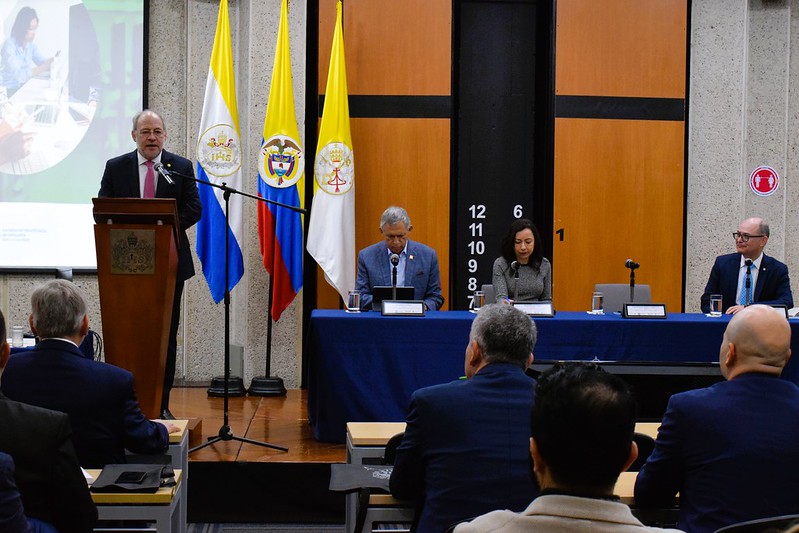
[{"x": 508, "y": 251}]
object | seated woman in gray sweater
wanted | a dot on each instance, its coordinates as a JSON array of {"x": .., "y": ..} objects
[{"x": 522, "y": 273}]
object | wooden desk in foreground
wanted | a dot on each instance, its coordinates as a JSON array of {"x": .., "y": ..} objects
[{"x": 165, "y": 508}]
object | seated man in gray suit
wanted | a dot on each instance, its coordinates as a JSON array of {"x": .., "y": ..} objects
[
  {"x": 417, "y": 264},
  {"x": 582, "y": 427}
]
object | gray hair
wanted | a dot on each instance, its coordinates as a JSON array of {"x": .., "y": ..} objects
[
  {"x": 394, "y": 214},
  {"x": 57, "y": 309},
  {"x": 505, "y": 334},
  {"x": 763, "y": 229},
  {"x": 138, "y": 115}
]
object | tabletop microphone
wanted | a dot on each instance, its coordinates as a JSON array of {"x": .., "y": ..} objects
[
  {"x": 164, "y": 173},
  {"x": 515, "y": 267},
  {"x": 632, "y": 265},
  {"x": 394, "y": 259}
]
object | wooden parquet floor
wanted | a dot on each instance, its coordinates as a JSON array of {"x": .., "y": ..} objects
[{"x": 277, "y": 420}]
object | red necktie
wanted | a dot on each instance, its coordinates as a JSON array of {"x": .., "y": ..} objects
[{"x": 149, "y": 181}]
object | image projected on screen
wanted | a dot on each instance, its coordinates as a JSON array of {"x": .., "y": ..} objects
[{"x": 70, "y": 79}]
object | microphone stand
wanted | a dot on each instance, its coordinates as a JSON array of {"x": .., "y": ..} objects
[
  {"x": 515, "y": 282},
  {"x": 632, "y": 284},
  {"x": 225, "y": 433},
  {"x": 393, "y": 282}
]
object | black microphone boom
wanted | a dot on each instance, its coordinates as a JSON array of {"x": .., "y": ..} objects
[{"x": 159, "y": 167}]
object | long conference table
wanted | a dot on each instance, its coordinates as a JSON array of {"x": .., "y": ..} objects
[{"x": 363, "y": 367}]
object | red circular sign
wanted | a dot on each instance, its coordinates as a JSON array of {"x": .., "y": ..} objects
[{"x": 764, "y": 181}]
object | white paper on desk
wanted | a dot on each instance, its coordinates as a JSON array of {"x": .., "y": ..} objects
[{"x": 89, "y": 478}]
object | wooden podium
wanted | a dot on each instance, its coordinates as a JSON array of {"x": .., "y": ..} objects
[{"x": 137, "y": 258}]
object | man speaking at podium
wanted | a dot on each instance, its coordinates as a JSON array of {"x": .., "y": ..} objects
[
  {"x": 416, "y": 263},
  {"x": 766, "y": 281},
  {"x": 138, "y": 174}
]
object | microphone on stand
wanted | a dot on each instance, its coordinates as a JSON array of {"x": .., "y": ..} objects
[
  {"x": 748, "y": 282},
  {"x": 394, "y": 262},
  {"x": 515, "y": 267},
  {"x": 164, "y": 173},
  {"x": 632, "y": 265}
]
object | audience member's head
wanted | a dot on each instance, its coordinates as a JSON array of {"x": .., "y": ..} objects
[
  {"x": 757, "y": 339},
  {"x": 500, "y": 334},
  {"x": 582, "y": 426},
  {"x": 59, "y": 310}
]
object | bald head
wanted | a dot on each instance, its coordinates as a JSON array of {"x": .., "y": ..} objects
[{"x": 757, "y": 339}]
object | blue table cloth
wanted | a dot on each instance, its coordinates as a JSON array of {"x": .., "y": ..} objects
[{"x": 363, "y": 367}]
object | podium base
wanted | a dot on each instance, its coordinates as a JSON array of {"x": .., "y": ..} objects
[
  {"x": 235, "y": 386},
  {"x": 267, "y": 386}
]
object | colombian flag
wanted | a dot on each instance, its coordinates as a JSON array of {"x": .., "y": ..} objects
[
  {"x": 281, "y": 177},
  {"x": 331, "y": 231},
  {"x": 219, "y": 161}
]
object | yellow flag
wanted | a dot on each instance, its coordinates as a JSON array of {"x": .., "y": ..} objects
[{"x": 331, "y": 231}]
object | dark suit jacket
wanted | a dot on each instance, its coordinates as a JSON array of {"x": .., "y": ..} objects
[
  {"x": 466, "y": 449},
  {"x": 52, "y": 486},
  {"x": 421, "y": 272},
  {"x": 730, "y": 450},
  {"x": 121, "y": 180},
  {"x": 773, "y": 285},
  {"x": 99, "y": 399},
  {"x": 12, "y": 515}
]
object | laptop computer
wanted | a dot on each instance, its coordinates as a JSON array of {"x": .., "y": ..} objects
[{"x": 385, "y": 292}]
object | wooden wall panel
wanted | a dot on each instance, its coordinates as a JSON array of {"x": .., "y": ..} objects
[
  {"x": 618, "y": 195},
  {"x": 621, "y": 48},
  {"x": 392, "y": 48}
]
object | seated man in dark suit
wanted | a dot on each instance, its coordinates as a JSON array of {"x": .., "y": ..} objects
[
  {"x": 99, "y": 398},
  {"x": 582, "y": 427},
  {"x": 768, "y": 278},
  {"x": 731, "y": 449},
  {"x": 417, "y": 264},
  {"x": 47, "y": 474},
  {"x": 12, "y": 514},
  {"x": 465, "y": 449}
]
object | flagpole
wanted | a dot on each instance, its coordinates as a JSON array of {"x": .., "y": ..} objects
[
  {"x": 265, "y": 385},
  {"x": 268, "y": 385}
]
